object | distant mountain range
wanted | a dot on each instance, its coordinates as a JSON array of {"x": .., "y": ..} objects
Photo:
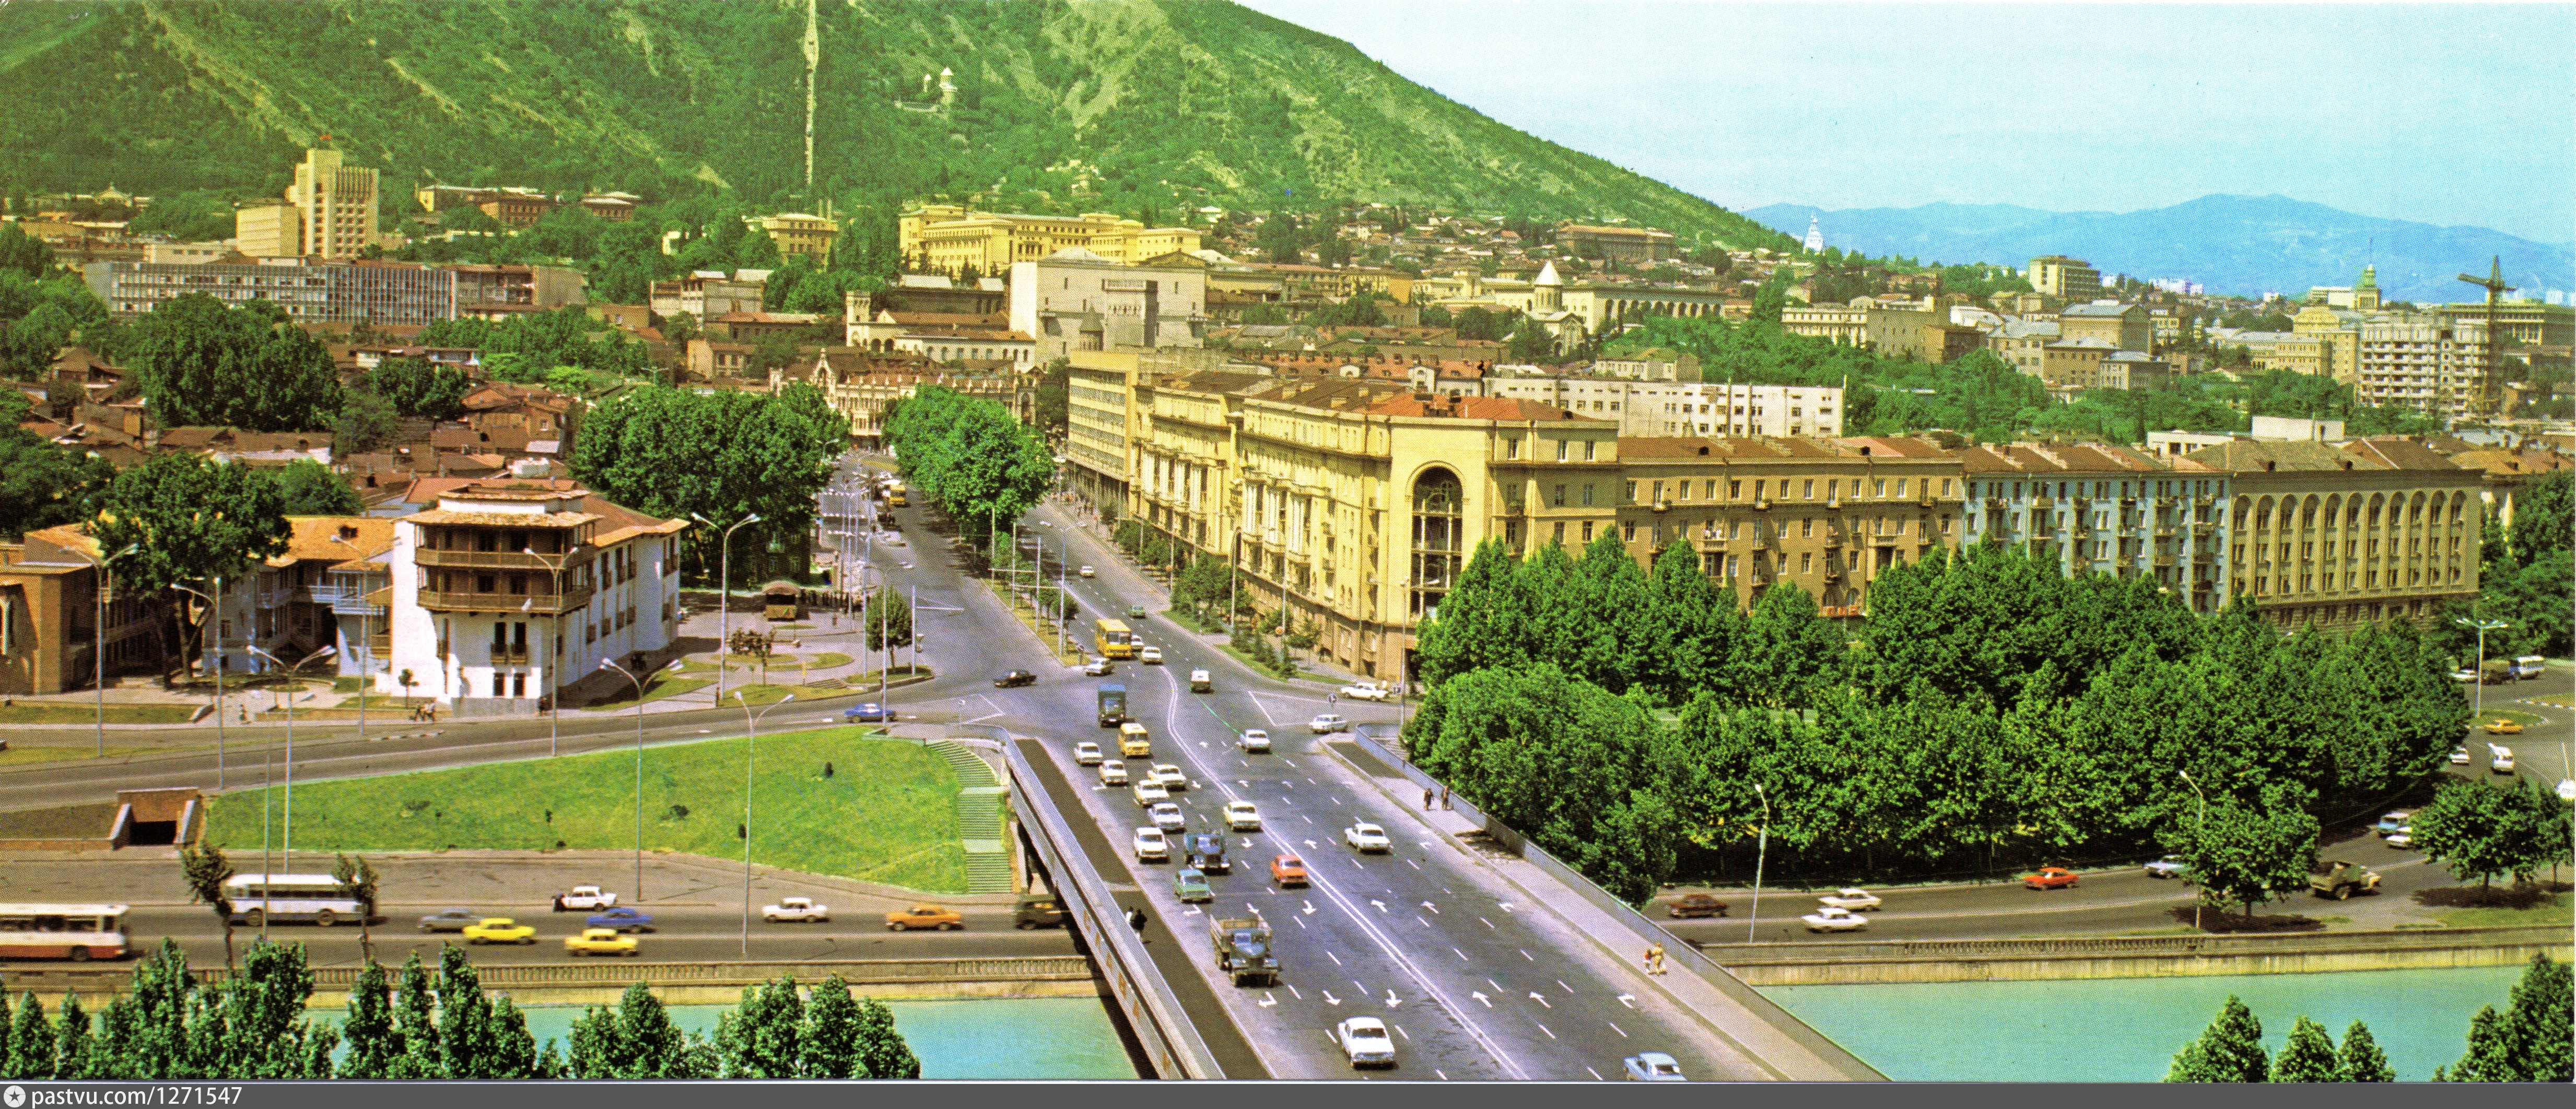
[{"x": 2244, "y": 245}]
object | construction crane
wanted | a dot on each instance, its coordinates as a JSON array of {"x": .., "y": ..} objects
[{"x": 2494, "y": 284}]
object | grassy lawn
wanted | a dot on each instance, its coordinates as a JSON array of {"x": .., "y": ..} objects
[
  {"x": 772, "y": 694},
  {"x": 887, "y": 814},
  {"x": 56, "y": 712},
  {"x": 91, "y": 821},
  {"x": 1247, "y": 661},
  {"x": 2556, "y": 911},
  {"x": 830, "y": 659},
  {"x": 19, "y": 753},
  {"x": 660, "y": 685}
]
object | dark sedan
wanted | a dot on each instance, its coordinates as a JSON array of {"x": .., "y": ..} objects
[
  {"x": 449, "y": 920},
  {"x": 621, "y": 918},
  {"x": 1691, "y": 905},
  {"x": 868, "y": 711},
  {"x": 1008, "y": 678}
]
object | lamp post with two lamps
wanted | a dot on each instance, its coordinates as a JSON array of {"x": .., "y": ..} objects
[
  {"x": 286, "y": 811},
  {"x": 215, "y": 616},
  {"x": 750, "y": 743},
  {"x": 724, "y": 593},
  {"x": 1761, "y": 851},
  {"x": 611, "y": 664},
  {"x": 2482, "y": 627}
]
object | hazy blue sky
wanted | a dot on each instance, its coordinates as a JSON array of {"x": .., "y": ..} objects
[{"x": 2447, "y": 115}]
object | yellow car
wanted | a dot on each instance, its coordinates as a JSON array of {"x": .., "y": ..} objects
[
  {"x": 599, "y": 941},
  {"x": 2503, "y": 727},
  {"x": 499, "y": 929}
]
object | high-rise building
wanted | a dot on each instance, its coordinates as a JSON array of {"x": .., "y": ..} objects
[
  {"x": 2435, "y": 367},
  {"x": 337, "y": 203},
  {"x": 2069, "y": 278},
  {"x": 269, "y": 229}
]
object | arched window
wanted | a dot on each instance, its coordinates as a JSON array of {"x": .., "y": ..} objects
[{"x": 1439, "y": 539}]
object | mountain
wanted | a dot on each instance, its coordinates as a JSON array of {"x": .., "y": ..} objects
[
  {"x": 1130, "y": 106},
  {"x": 2232, "y": 244}
]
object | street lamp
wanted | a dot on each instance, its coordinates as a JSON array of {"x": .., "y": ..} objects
[
  {"x": 2483, "y": 627},
  {"x": 215, "y": 615},
  {"x": 751, "y": 741},
  {"x": 554, "y": 639},
  {"x": 724, "y": 604},
  {"x": 98, "y": 637},
  {"x": 286, "y": 815},
  {"x": 2201, "y": 830},
  {"x": 1761, "y": 851},
  {"x": 611, "y": 664}
]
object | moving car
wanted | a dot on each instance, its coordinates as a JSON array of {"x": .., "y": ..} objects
[
  {"x": 1367, "y": 837},
  {"x": 622, "y": 919},
  {"x": 1009, "y": 678},
  {"x": 1690, "y": 906},
  {"x": 1831, "y": 919},
  {"x": 1854, "y": 899},
  {"x": 2401, "y": 838},
  {"x": 2459, "y": 756},
  {"x": 1242, "y": 816},
  {"x": 1288, "y": 870},
  {"x": 1098, "y": 667},
  {"x": 1113, "y": 773},
  {"x": 1151, "y": 846},
  {"x": 2393, "y": 821},
  {"x": 1200, "y": 682},
  {"x": 1207, "y": 852},
  {"x": 1171, "y": 776},
  {"x": 1168, "y": 817},
  {"x": 2502, "y": 760},
  {"x": 2465, "y": 674},
  {"x": 1189, "y": 884},
  {"x": 584, "y": 897},
  {"x": 600, "y": 941},
  {"x": 1150, "y": 656},
  {"x": 1369, "y": 691},
  {"x": 1364, "y": 1040},
  {"x": 1037, "y": 910},
  {"x": 499, "y": 929},
  {"x": 2050, "y": 878},
  {"x": 2171, "y": 866},
  {"x": 2530, "y": 666},
  {"x": 449, "y": 920},
  {"x": 1087, "y": 572},
  {"x": 1149, "y": 793},
  {"x": 1329, "y": 722},
  {"x": 1652, "y": 1066},
  {"x": 868, "y": 711},
  {"x": 924, "y": 916},
  {"x": 796, "y": 908},
  {"x": 2503, "y": 727},
  {"x": 1135, "y": 612},
  {"x": 1086, "y": 753},
  {"x": 1253, "y": 740}
]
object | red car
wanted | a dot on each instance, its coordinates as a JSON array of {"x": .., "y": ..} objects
[
  {"x": 2050, "y": 878},
  {"x": 1691, "y": 905},
  {"x": 1288, "y": 870}
]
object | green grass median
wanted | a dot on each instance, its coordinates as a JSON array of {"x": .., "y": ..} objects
[
  {"x": 886, "y": 813},
  {"x": 59, "y": 712}
]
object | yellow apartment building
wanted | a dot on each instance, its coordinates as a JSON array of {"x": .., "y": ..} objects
[{"x": 953, "y": 237}]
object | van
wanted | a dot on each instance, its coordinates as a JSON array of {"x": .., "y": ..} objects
[
  {"x": 1038, "y": 910},
  {"x": 2530, "y": 666},
  {"x": 1134, "y": 741},
  {"x": 1201, "y": 683}
]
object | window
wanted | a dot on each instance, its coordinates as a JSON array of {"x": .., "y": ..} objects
[
  {"x": 1589, "y": 445},
  {"x": 1807, "y": 528},
  {"x": 1757, "y": 490},
  {"x": 1587, "y": 527},
  {"x": 1559, "y": 501},
  {"x": 1735, "y": 489},
  {"x": 1629, "y": 493},
  {"x": 1945, "y": 488},
  {"x": 1629, "y": 532},
  {"x": 1809, "y": 490},
  {"x": 1659, "y": 492},
  {"x": 1806, "y": 561},
  {"x": 1735, "y": 530},
  {"x": 1560, "y": 529},
  {"x": 1709, "y": 492},
  {"x": 1832, "y": 489},
  {"x": 1878, "y": 487},
  {"x": 1560, "y": 450},
  {"x": 1511, "y": 448},
  {"x": 1587, "y": 503}
]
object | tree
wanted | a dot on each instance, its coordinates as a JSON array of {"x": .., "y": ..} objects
[
  {"x": 880, "y": 1048},
  {"x": 2230, "y": 1050},
  {"x": 42, "y": 485},
  {"x": 201, "y": 362},
  {"x": 190, "y": 520},
  {"x": 764, "y": 1036},
  {"x": 2309, "y": 1056},
  {"x": 672, "y": 453},
  {"x": 1204, "y": 582},
  {"x": 2483, "y": 832},
  {"x": 366, "y": 422},
  {"x": 419, "y": 388},
  {"x": 887, "y": 619},
  {"x": 635, "y": 1039},
  {"x": 985, "y": 467},
  {"x": 23, "y": 253},
  {"x": 2528, "y": 1042},
  {"x": 1054, "y": 397},
  {"x": 358, "y": 876},
  {"x": 206, "y": 870},
  {"x": 2246, "y": 854},
  {"x": 2360, "y": 1060},
  {"x": 309, "y": 488},
  {"x": 374, "y": 1043}
]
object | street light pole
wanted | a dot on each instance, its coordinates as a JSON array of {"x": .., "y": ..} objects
[
  {"x": 2200, "y": 830},
  {"x": 724, "y": 615},
  {"x": 554, "y": 675},
  {"x": 750, "y": 743},
  {"x": 98, "y": 637},
  {"x": 286, "y": 812},
  {"x": 1761, "y": 851},
  {"x": 611, "y": 664},
  {"x": 2483, "y": 626}
]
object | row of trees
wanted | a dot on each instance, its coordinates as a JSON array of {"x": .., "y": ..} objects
[
  {"x": 722, "y": 456},
  {"x": 2526, "y": 574},
  {"x": 1991, "y": 712},
  {"x": 982, "y": 465},
  {"x": 2527, "y": 1042},
  {"x": 417, "y": 1026}
]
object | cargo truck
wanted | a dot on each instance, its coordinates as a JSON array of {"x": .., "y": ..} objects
[
  {"x": 2339, "y": 880},
  {"x": 1243, "y": 951},
  {"x": 1113, "y": 705}
]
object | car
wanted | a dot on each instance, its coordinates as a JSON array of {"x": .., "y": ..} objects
[
  {"x": 1189, "y": 884},
  {"x": 1037, "y": 910},
  {"x": 600, "y": 941},
  {"x": 1368, "y": 691},
  {"x": 2393, "y": 821},
  {"x": 2502, "y": 760},
  {"x": 1288, "y": 870},
  {"x": 584, "y": 897},
  {"x": 622, "y": 919},
  {"x": 1252, "y": 740},
  {"x": 2171, "y": 866},
  {"x": 1086, "y": 754},
  {"x": 1087, "y": 572},
  {"x": 2465, "y": 674},
  {"x": 1135, "y": 612},
  {"x": 1151, "y": 845},
  {"x": 2050, "y": 878},
  {"x": 1113, "y": 772},
  {"x": 1010, "y": 678},
  {"x": 1328, "y": 722},
  {"x": 1150, "y": 656},
  {"x": 2459, "y": 756},
  {"x": 1149, "y": 793},
  {"x": 498, "y": 929},
  {"x": 1652, "y": 1066},
  {"x": 1200, "y": 682},
  {"x": 1168, "y": 817},
  {"x": 1364, "y": 1040},
  {"x": 868, "y": 711},
  {"x": 934, "y": 917},
  {"x": 795, "y": 909},
  {"x": 2567, "y": 789},
  {"x": 1854, "y": 899},
  {"x": 2401, "y": 838},
  {"x": 1367, "y": 837},
  {"x": 1171, "y": 777},
  {"x": 1831, "y": 919},
  {"x": 1691, "y": 906},
  {"x": 1242, "y": 816},
  {"x": 449, "y": 920},
  {"x": 1099, "y": 667},
  {"x": 2503, "y": 727}
]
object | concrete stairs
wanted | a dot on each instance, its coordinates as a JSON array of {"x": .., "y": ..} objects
[{"x": 979, "y": 818}]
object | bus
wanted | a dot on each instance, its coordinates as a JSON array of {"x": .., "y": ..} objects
[
  {"x": 257, "y": 899},
  {"x": 1113, "y": 639},
  {"x": 79, "y": 933}
]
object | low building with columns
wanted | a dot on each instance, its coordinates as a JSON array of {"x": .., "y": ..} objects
[{"x": 2338, "y": 536}]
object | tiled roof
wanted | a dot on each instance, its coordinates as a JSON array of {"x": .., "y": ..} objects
[
  {"x": 333, "y": 539},
  {"x": 2061, "y": 459}
]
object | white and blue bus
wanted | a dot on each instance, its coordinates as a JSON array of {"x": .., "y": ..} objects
[{"x": 257, "y": 899}]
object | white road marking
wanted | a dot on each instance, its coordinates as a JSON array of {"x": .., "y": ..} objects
[
  {"x": 1628, "y": 1000},
  {"x": 1337, "y": 960},
  {"x": 1444, "y": 1075},
  {"x": 1462, "y": 956},
  {"x": 1435, "y": 909},
  {"x": 1413, "y": 864},
  {"x": 1310, "y": 907},
  {"x": 1506, "y": 905},
  {"x": 1488, "y": 923},
  {"x": 1550, "y": 1035},
  {"x": 1614, "y": 1026},
  {"x": 1569, "y": 990},
  {"x": 1481, "y": 999},
  {"x": 1526, "y": 955},
  {"x": 1329, "y": 999},
  {"x": 1292, "y": 992},
  {"x": 1418, "y": 918},
  {"x": 1542, "y": 1000},
  {"x": 1399, "y": 1030},
  {"x": 1301, "y": 921},
  {"x": 1267, "y": 1000}
]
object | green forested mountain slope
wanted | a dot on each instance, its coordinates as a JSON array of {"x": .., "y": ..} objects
[{"x": 1133, "y": 106}]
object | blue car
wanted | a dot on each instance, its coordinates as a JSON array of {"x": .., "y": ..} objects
[
  {"x": 868, "y": 711},
  {"x": 622, "y": 919},
  {"x": 2392, "y": 822}
]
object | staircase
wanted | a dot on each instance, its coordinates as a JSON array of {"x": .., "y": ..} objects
[{"x": 979, "y": 819}]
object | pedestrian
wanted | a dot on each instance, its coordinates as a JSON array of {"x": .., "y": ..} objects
[
  {"x": 1333, "y": 698},
  {"x": 1426, "y": 799},
  {"x": 1655, "y": 959},
  {"x": 1444, "y": 797}
]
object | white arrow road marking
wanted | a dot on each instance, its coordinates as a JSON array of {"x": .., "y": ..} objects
[
  {"x": 1267, "y": 1000},
  {"x": 1596, "y": 1075},
  {"x": 1435, "y": 909},
  {"x": 1628, "y": 1000},
  {"x": 1191, "y": 911},
  {"x": 1534, "y": 996},
  {"x": 1506, "y": 905},
  {"x": 1479, "y": 995},
  {"x": 1423, "y": 844},
  {"x": 1329, "y": 999},
  {"x": 1392, "y": 1002},
  {"x": 1614, "y": 1026},
  {"x": 1310, "y": 845},
  {"x": 1310, "y": 907},
  {"x": 1381, "y": 905}
]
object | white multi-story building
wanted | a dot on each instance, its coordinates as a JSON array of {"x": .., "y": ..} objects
[
  {"x": 2436, "y": 367},
  {"x": 2108, "y": 510},
  {"x": 1074, "y": 300},
  {"x": 1667, "y": 408}
]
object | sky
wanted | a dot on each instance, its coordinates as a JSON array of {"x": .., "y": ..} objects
[{"x": 2454, "y": 114}]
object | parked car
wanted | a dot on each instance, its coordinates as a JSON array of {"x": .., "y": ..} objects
[
  {"x": 1113, "y": 772},
  {"x": 2393, "y": 821},
  {"x": 1242, "y": 816},
  {"x": 2465, "y": 674},
  {"x": 1135, "y": 612},
  {"x": 1364, "y": 1040},
  {"x": 1831, "y": 919},
  {"x": 2501, "y": 761},
  {"x": 1171, "y": 776},
  {"x": 1691, "y": 906},
  {"x": 1150, "y": 656},
  {"x": 2050, "y": 878},
  {"x": 869, "y": 711},
  {"x": 796, "y": 909},
  {"x": 2171, "y": 866},
  {"x": 1652, "y": 1066},
  {"x": 499, "y": 929},
  {"x": 449, "y": 920},
  {"x": 584, "y": 897},
  {"x": 1099, "y": 667},
  {"x": 1149, "y": 793},
  {"x": 1848, "y": 897},
  {"x": 1369, "y": 691},
  {"x": 1328, "y": 722},
  {"x": 2459, "y": 756},
  {"x": 1009, "y": 678},
  {"x": 934, "y": 917},
  {"x": 1253, "y": 740},
  {"x": 600, "y": 941},
  {"x": 1087, "y": 572},
  {"x": 1086, "y": 753},
  {"x": 623, "y": 919},
  {"x": 2401, "y": 838},
  {"x": 1189, "y": 884},
  {"x": 1168, "y": 817},
  {"x": 2503, "y": 727},
  {"x": 1288, "y": 870},
  {"x": 1151, "y": 846},
  {"x": 1367, "y": 838}
]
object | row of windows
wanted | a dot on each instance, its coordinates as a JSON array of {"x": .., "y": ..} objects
[{"x": 2064, "y": 489}]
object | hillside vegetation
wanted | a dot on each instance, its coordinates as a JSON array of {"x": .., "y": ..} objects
[{"x": 1138, "y": 107}]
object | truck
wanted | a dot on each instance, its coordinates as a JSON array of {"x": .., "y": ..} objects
[
  {"x": 2339, "y": 880},
  {"x": 1243, "y": 950},
  {"x": 2495, "y": 671},
  {"x": 1113, "y": 704},
  {"x": 1207, "y": 853}
]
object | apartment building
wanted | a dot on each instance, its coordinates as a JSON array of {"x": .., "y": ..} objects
[
  {"x": 337, "y": 202},
  {"x": 2530, "y": 323},
  {"x": 2123, "y": 326},
  {"x": 2107, "y": 510},
  {"x": 706, "y": 294},
  {"x": 2432, "y": 366},
  {"x": 2337, "y": 335},
  {"x": 1632, "y": 245},
  {"x": 265, "y": 229},
  {"x": 50, "y": 616},
  {"x": 2069, "y": 279},
  {"x": 520, "y": 287},
  {"x": 381, "y": 293},
  {"x": 937, "y": 336},
  {"x": 2373, "y": 529},
  {"x": 953, "y": 237},
  {"x": 2024, "y": 344},
  {"x": 1668, "y": 408},
  {"x": 797, "y": 233},
  {"x": 1078, "y": 300},
  {"x": 1846, "y": 324},
  {"x": 861, "y": 388}
]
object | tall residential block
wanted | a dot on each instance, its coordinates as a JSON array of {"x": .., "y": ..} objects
[
  {"x": 337, "y": 203},
  {"x": 268, "y": 229},
  {"x": 2067, "y": 278}
]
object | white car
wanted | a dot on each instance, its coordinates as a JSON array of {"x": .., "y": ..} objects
[
  {"x": 2464, "y": 674},
  {"x": 1171, "y": 776},
  {"x": 2567, "y": 789},
  {"x": 796, "y": 908},
  {"x": 1364, "y": 1040},
  {"x": 1150, "y": 793},
  {"x": 1086, "y": 754},
  {"x": 1854, "y": 899},
  {"x": 2403, "y": 837},
  {"x": 2502, "y": 762},
  {"x": 1113, "y": 772},
  {"x": 1151, "y": 846},
  {"x": 1329, "y": 722},
  {"x": 1167, "y": 816},
  {"x": 1253, "y": 739},
  {"x": 1367, "y": 837},
  {"x": 1086, "y": 572},
  {"x": 1835, "y": 920},
  {"x": 1242, "y": 816},
  {"x": 1150, "y": 656},
  {"x": 1099, "y": 667},
  {"x": 2459, "y": 756},
  {"x": 585, "y": 897},
  {"x": 1368, "y": 691}
]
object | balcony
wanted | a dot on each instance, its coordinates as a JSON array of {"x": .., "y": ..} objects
[
  {"x": 505, "y": 602},
  {"x": 509, "y": 656},
  {"x": 2043, "y": 504},
  {"x": 1762, "y": 505},
  {"x": 496, "y": 560},
  {"x": 1833, "y": 539},
  {"x": 2204, "y": 502}
]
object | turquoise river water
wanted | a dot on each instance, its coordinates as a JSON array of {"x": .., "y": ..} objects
[{"x": 988, "y": 1038}]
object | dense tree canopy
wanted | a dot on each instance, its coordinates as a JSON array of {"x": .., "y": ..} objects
[
  {"x": 983, "y": 466},
  {"x": 41, "y": 484},
  {"x": 189, "y": 520},
  {"x": 673, "y": 453},
  {"x": 203, "y": 363}
]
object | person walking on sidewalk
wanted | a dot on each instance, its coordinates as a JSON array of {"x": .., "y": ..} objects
[
  {"x": 1655, "y": 959},
  {"x": 1426, "y": 799},
  {"x": 1444, "y": 798}
]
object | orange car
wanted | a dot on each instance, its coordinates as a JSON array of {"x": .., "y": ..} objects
[
  {"x": 2503, "y": 727},
  {"x": 2050, "y": 878},
  {"x": 924, "y": 916},
  {"x": 1288, "y": 870}
]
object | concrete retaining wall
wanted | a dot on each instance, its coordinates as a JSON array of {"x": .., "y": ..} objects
[
  {"x": 1823, "y": 964},
  {"x": 601, "y": 981}
]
